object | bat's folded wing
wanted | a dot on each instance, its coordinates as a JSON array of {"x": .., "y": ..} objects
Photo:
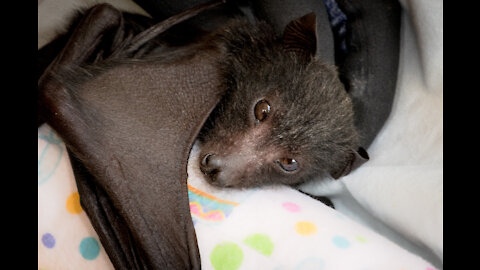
[{"x": 129, "y": 126}]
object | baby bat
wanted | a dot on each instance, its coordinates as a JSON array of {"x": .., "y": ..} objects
[
  {"x": 128, "y": 108},
  {"x": 285, "y": 116}
]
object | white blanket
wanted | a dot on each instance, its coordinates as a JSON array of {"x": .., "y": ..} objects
[
  {"x": 265, "y": 228},
  {"x": 402, "y": 184}
]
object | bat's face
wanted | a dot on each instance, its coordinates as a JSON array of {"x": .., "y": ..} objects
[
  {"x": 282, "y": 120},
  {"x": 282, "y": 128}
]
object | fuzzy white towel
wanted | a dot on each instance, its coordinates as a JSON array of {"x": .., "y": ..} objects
[{"x": 402, "y": 184}]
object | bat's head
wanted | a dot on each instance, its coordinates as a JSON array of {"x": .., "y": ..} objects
[{"x": 285, "y": 118}]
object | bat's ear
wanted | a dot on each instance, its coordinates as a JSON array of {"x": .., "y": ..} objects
[
  {"x": 300, "y": 36},
  {"x": 354, "y": 161}
]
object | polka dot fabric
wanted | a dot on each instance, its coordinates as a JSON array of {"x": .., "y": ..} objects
[
  {"x": 265, "y": 232},
  {"x": 274, "y": 228},
  {"x": 67, "y": 240},
  {"x": 282, "y": 229}
]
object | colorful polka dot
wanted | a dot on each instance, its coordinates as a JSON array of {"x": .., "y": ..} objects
[
  {"x": 361, "y": 239},
  {"x": 48, "y": 240},
  {"x": 305, "y": 228},
  {"x": 226, "y": 256},
  {"x": 89, "y": 248},
  {"x": 73, "y": 204},
  {"x": 340, "y": 242},
  {"x": 291, "y": 207},
  {"x": 260, "y": 242}
]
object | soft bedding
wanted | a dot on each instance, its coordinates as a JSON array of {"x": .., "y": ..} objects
[
  {"x": 401, "y": 187},
  {"x": 399, "y": 192},
  {"x": 265, "y": 228}
]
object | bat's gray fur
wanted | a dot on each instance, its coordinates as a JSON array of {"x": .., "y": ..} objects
[{"x": 311, "y": 118}]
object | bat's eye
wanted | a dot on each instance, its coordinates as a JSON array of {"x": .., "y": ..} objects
[
  {"x": 261, "y": 110},
  {"x": 288, "y": 164}
]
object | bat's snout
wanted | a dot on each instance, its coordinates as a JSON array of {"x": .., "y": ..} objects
[{"x": 210, "y": 166}]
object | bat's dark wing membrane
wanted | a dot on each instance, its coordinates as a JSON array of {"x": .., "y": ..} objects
[{"x": 128, "y": 125}]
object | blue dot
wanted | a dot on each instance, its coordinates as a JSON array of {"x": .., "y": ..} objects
[
  {"x": 89, "y": 248},
  {"x": 340, "y": 242},
  {"x": 48, "y": 240}
]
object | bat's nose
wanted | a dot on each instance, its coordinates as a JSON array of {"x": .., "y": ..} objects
[
  {"x": 206, "y": 159},
  {"x": 210, "y": 166}
]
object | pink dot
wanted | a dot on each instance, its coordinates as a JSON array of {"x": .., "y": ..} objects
[
  {"x": 430, "y": 268},
  {"x": 291, "y": 207},
  {"x": 194, "y": 208}
]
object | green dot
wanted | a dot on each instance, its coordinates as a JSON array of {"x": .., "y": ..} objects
[
  {"x": 226, "y": 256},
  {"x": 361, "y": 239},
  {"x": 260, "y": 242}
]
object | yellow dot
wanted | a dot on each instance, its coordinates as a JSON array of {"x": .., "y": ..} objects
[
  {"x": 305, "y": 228},
  {"x": 73, "y": 203}
]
